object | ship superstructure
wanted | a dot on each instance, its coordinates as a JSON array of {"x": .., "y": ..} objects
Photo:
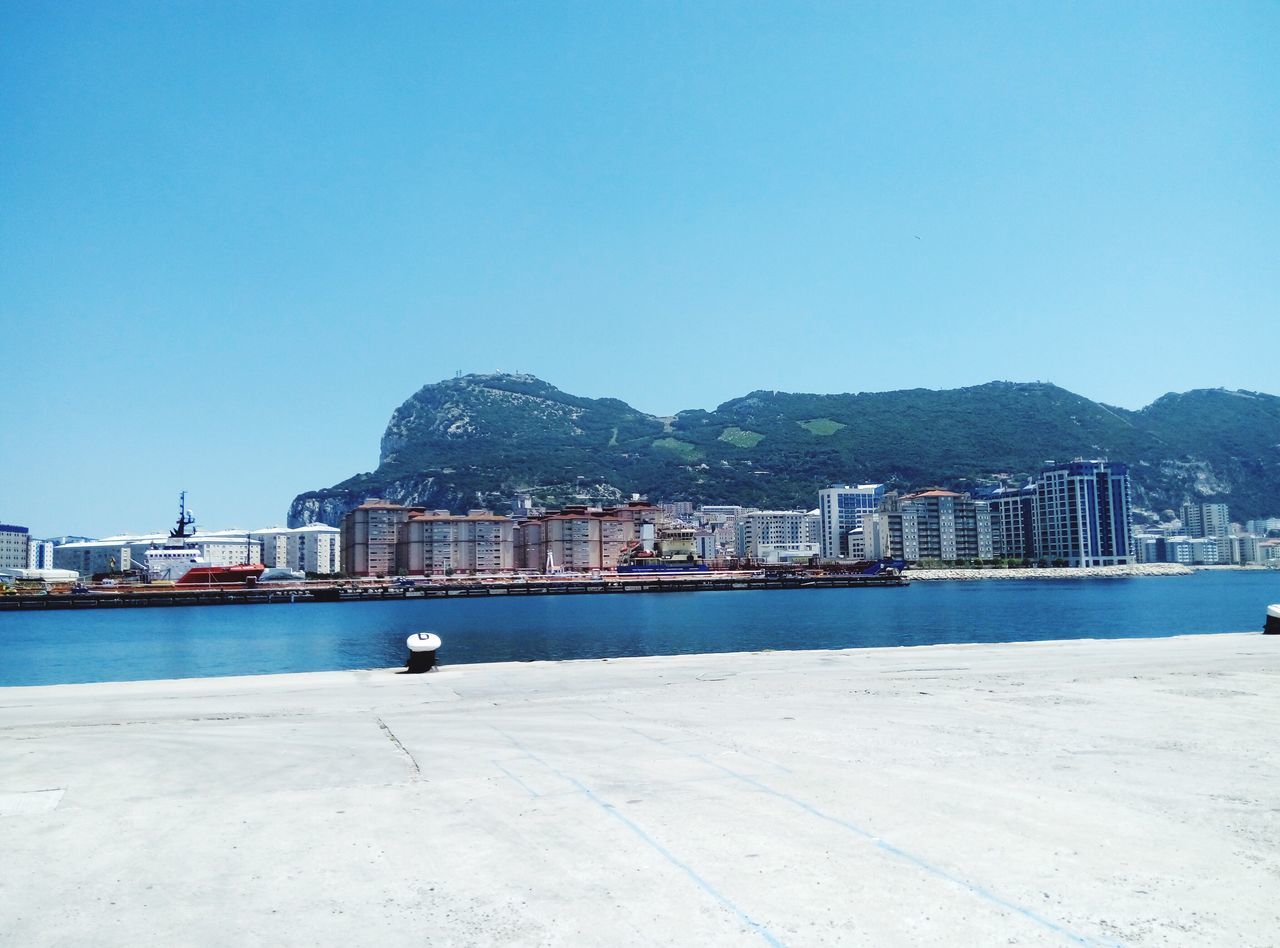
[{"x": 675, "y": 552}]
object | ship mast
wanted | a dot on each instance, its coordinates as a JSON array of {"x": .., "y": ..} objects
[{"x": 184, "y": 520}]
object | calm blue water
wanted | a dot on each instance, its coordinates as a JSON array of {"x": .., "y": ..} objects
[{"x": 128, "y": 644}]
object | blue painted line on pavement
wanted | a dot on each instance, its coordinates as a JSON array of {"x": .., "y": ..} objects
[
  {"x": 528, "y": 789},
  {"x": 915, "y": 860},
  {"x": 641, "y": 834}
]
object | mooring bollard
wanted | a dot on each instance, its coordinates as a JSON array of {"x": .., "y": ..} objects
[
  {"x": 422, "y": 651},
  {"x": 1273, "y": 620}
]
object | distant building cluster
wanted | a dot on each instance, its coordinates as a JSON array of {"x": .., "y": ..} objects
[
  {"x": 1203, "y": 535},
  {"x": 1073, "y": 514},
  {"x": 1077, "y": 513}
]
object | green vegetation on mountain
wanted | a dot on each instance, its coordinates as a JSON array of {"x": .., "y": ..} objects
[
  {"x": 480, "y": 440},
  {"x": 684, "y": 449},
  {"x": 821, "y": 426},
  {"x": 740, "y": 438}
]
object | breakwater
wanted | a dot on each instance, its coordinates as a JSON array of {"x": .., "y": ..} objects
[
  {"x": 1053, "y": 572},
  {"x": 366, "y": 592}
]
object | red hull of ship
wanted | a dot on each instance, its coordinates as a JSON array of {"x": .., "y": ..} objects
[{"x": 213, "y": 575}]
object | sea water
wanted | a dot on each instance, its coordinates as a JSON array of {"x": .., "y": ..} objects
[{"x": 196, "y": 641}]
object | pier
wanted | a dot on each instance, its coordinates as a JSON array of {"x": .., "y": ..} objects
[{"x": 143, "y": 596}]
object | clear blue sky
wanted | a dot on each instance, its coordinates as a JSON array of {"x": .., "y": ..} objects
[{"x": 233, "y": 237}]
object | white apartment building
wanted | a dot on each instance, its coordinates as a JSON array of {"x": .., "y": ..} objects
[
  {"x": 13, "y": 546},
  {"x": 1148, "y": 548},
  {"x": 779, "y": 536},
  {"x": 1246, "y": 550},
  {"x": 315, "y": 548},
  {"x": 1205, "y": 551},
  {"x": 39, "y": 554},
  {"x": 840, "y": 510},
  {"x": 1263, "y": 526}
]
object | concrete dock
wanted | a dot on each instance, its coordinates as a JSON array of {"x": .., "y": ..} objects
[{"x": 1085, "y": 792}]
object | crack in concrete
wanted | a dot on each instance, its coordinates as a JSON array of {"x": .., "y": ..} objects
[{"x": 391, "y": 736}]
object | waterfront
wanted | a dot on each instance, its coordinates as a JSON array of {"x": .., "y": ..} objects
[{"x": 110, "y": 645}]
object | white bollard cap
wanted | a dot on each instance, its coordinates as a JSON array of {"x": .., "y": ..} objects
[
  {"x": 1273, "y": 612},
  {"x": 423, "y": 642}
]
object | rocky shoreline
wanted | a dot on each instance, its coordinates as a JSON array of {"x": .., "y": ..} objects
[{"x": 1054, "y": 572}]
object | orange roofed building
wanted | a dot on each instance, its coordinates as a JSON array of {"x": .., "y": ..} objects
[{"x": 385, "y": 539}]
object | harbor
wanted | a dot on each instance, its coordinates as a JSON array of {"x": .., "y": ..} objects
[{"x": 1088, "y": 792}]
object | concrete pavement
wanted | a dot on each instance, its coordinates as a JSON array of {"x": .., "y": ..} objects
[{"x": 1085, "y": 792}]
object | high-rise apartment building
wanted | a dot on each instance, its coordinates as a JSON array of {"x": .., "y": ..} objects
[
  {"x": 1083, "y": 513},
  {"x": 950, "y": 526},
  {"x": 840, "y": 511},
  {"x": 438, "y": 542},
  {"x": 1013, "y": 512},
  {"x": 1205, "y": 520},
  {"x": 369, "y": 536},
  {"x": 930, "y": 525}
]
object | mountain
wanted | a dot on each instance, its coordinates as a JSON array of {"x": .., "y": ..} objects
[{"x": 479, "y": 440}]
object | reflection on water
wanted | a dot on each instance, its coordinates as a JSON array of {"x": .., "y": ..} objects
[{"x": 126, "y": 644}]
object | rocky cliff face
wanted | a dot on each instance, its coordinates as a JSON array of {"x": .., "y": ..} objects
[{"x": 482, "y": 439}]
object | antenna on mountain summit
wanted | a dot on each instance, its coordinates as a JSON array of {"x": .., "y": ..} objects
[{"x": 457, "y": 373}]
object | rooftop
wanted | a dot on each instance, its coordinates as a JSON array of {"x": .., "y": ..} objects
[
  {"x": 474, "y": 515},
  {"x": 309, "y": 528},
  {"x": 133, "y": 539}
]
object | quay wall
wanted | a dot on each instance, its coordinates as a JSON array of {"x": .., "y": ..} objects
[{"x": 1067, "y": 572}]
